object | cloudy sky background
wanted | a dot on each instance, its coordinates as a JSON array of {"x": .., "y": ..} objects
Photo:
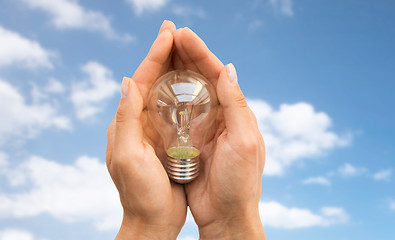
[{"x": 319, "y": 75}]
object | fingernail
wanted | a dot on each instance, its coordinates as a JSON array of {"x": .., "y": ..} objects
[
  {"x": 125, "y": 87},
  {"x": 232, "y": 76}
]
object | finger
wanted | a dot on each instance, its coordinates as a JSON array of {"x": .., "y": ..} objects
[
  {"x": 167, "y": 65},
  {"x": 181, "y": 54},
  {"x": 197, "y": 51},
  {"x": 236, "y": 112},
  {"x": 128, "y": 128},
  {"x": 110, "y": 142},
  {"x": 177, "y": 62},
  {"x": 169, "y": 25},
  {"x": 154, "y": 64}
]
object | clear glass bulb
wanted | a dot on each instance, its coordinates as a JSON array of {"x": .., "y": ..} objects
[{"x": 182, "y": 106}]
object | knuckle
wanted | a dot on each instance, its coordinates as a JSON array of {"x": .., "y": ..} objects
[
  {"x": 120, "y": 157},
  {"x": 121, "y": 160},
  {"x": 253, "y": 145},
  {"x": 240, "y": 101},
  {"x": 249, "y": 142},
  {"x": 127, "y": 158},
  {"x": 123, "y": 112},
  {"x": 120, "y": 116}
]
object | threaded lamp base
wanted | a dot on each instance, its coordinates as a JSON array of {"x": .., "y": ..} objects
[{"x": 182, "y": 170}]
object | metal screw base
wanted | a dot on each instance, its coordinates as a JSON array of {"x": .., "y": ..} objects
[{"x": 182, "y": 170}]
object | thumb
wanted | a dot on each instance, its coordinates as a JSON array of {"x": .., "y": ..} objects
[
  {"x": 128, "y": 130},
  {"x": 237, "y": 114}
]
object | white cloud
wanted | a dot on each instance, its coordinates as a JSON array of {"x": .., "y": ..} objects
[
  {"x": 79, "y": 192},
  {"x": 383, "y": 175},
  {"x": 318, "y": 180},
  {"x": 294, "y": 132},
  {"x": 274, "y": 214},
  {"x": 348, "y": 170},
  {"x": 146, "y": 5},
  {"x": 68, "y": 14},
  {"x": 283, "y": 6},
  {"x": 3, "y": 161},
  {"x": 186, "y": 11},
  {"x": 40, "y": 94},
  {"x": 392, "y": 205},
  {"x": 23, "y": 120},
  {"x": 54, "y": 86},
  {"x": 20, "y": 51},
  {"x": 83, "y": 192},
  {"x": 16, "y": 234},
  {"x": 89, "y": 96}
]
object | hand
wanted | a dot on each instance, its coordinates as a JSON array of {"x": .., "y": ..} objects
[
  {"x": 224, "y": 198},
  {"x": 154, "y": 207}
]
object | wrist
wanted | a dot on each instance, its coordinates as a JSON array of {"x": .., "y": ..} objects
[
  {"x": 138, "y": 228},
  {"x": 242, "y": 225}
]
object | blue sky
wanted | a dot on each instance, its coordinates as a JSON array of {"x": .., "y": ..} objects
[{"x": 319, "y": 75}]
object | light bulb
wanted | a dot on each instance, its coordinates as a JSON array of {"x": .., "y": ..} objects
[{"x": 182, "y": 106}]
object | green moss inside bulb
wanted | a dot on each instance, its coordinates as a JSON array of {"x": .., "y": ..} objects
[{"x": 183, "y": 152}]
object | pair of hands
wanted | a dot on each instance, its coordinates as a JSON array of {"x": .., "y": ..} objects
[{"x": 224, "y": 198}]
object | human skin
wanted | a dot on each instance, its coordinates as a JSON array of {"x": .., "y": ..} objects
[
  {"x": 154, "y": 207},
  {"x": 224, "y": 198}
]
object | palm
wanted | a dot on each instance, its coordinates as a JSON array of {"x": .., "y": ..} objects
[
  {"x": 216, "y": 184},
  {"x": 160, "y": 195},
  {"x": 203, "y": 192}
]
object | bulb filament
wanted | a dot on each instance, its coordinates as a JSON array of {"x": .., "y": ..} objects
[{"x": 183, "y": 127}]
